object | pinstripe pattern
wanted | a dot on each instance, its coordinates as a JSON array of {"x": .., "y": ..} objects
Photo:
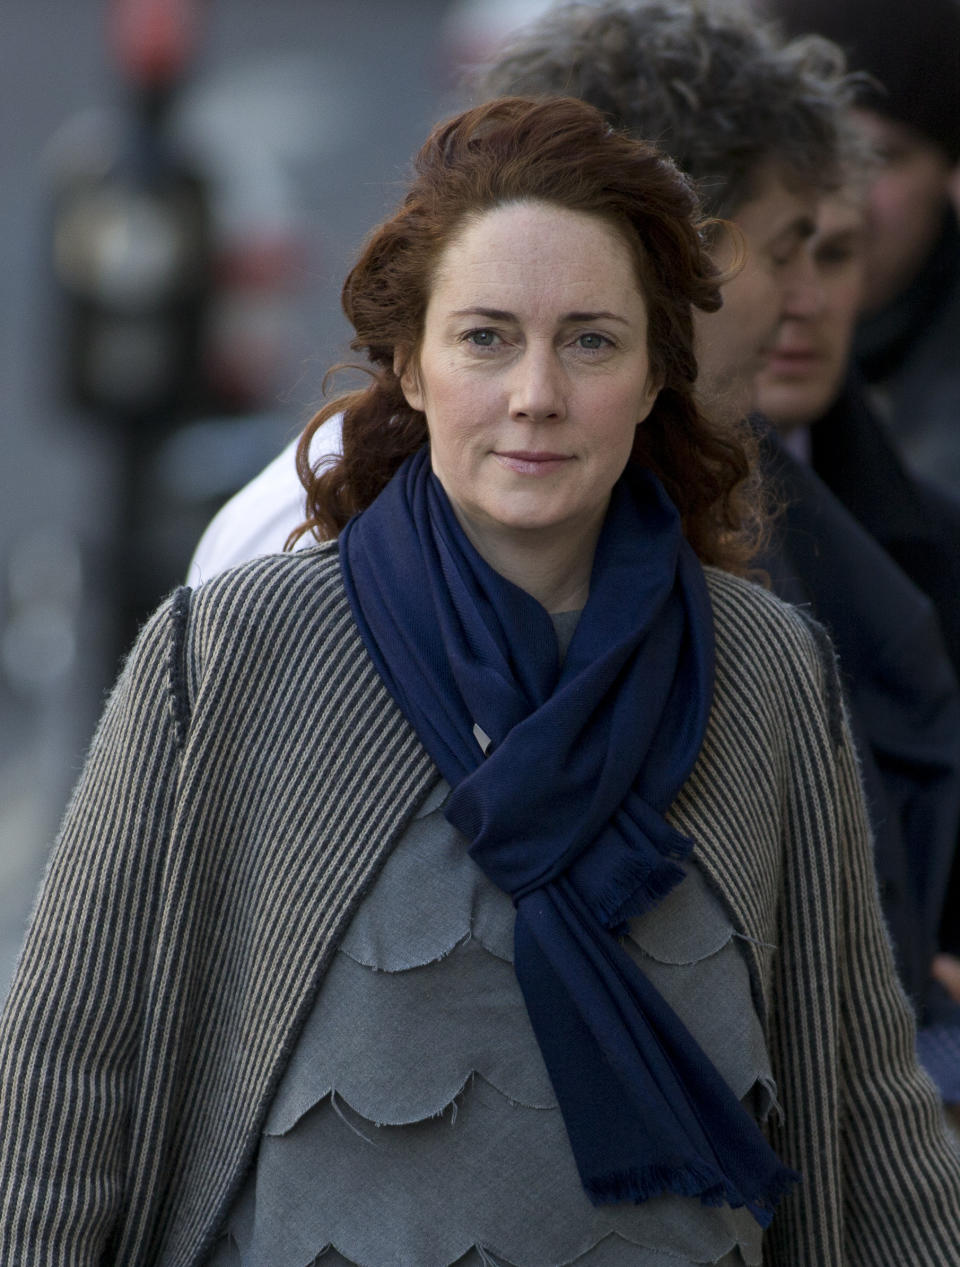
[{"x": 247, "y": 780}]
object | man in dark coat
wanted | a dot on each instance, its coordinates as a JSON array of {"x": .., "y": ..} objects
[
  {"x": 902, "y": 696},
  {"x": 827, "y": 426}
]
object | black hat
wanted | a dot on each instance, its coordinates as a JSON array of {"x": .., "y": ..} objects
[{"x": 912, "y": 47}]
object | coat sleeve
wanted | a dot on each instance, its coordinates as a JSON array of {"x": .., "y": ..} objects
[
  {"x": 69, "y": 1034},
  {"x": 901, "y": 1168},
  {"x": 862, "y": 1122}
]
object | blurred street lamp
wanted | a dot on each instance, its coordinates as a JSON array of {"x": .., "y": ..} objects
[
  {"x": 132, "y": 240},
  {"x": 133, "y": 259}
]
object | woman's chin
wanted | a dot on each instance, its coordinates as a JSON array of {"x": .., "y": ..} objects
[{"x": 530, "y": 520}]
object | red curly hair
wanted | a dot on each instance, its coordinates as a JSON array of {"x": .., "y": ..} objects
[{"x": 560, "y": 152}]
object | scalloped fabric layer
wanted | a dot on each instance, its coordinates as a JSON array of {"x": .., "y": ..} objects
[
  {"x": 415, "y": 1125},
  {"x": 612, "y": 1251}
]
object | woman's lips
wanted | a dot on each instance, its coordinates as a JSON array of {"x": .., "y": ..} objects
[{"x": 524, "y": 462}]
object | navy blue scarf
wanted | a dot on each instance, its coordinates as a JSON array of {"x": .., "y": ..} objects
[{"x": 560, "y": 779}]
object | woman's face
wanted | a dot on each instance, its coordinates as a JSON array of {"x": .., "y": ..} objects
[{"x": 533, "y": 375}]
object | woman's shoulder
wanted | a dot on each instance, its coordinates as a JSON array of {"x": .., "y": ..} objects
[
  {"x": 262, "y": 574},
  {"x": 744, "y": 608},
  {"x": 752, "y": 600},
  {"x": 267, "y": 618},
  {"x": 269, "y": 590},
  {"x": 766, "y": 644}
]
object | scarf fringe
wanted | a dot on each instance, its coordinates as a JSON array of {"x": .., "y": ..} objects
[
  {"x": 762, "y": 1208},
  {"x": 689, "y": 1180},
  {"x": 636, "y": 887}
]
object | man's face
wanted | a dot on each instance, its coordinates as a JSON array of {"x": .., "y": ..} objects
[
  {"x": 808, "y": 358},
  {"x": 777, "y": 277},
  {"x": 905, "y": 206}
]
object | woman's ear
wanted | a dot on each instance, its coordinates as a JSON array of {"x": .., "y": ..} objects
[
  {"x": 405, "y": 368},
  {"x": 650, "y": 398}
]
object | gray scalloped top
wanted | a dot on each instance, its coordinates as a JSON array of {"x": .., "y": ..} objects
[{"x": 415, "y": 1125}]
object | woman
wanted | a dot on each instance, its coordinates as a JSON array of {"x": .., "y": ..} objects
[{"x": 521, "y": 709}]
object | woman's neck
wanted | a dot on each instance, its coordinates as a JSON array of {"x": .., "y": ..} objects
[{"x": 554, "y": 568}]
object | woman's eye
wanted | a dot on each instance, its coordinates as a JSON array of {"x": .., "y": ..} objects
[
  {"x": 593, "y": 342},
  {"x": 482, "y": 338}
]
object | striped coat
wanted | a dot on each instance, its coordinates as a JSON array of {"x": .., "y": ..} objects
[{"x": 247, "y": 781}]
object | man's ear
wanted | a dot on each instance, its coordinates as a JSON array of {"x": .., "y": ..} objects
[{"x": 405, "y": 368}]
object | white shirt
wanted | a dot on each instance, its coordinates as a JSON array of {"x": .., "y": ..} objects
[{"x": 259, "y": 518}]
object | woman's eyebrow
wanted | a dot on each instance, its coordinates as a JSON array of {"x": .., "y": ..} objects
[
  {"x": 499, "y": 314},
  {"x": 492, "y": 314},
  {"x": 596, "y": 316}
]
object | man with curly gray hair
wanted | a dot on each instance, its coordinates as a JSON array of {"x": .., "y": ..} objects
[
  {"x": 759, "y": 125},
  {"x": 710, "y": 84}
]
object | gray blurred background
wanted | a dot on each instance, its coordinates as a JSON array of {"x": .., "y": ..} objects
[{"x": 298, "y": 119}]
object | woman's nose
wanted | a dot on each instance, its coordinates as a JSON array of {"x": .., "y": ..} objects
[{"x": 537, "y": 387}]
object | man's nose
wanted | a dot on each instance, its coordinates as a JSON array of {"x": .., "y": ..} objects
[{"x": 804, "y": 294}]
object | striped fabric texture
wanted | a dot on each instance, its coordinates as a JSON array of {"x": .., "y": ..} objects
[{"x": 248, "y": 779}]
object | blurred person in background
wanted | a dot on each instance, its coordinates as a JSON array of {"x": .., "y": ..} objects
[
  {"x": 490, "y": 883},
  {"x": 744, "y": 115},
  {"x": 900, "y": 394},
  {"x": 906, "y": 344},
  {"x": 809, "y": 391}
]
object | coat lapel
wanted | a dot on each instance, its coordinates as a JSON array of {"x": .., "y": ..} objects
[
  {"x": 725, "y": 808},
  {"x": 260, "y": 898}
]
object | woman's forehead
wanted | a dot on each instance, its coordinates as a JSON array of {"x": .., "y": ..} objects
[{"x": 536, "y": 244}]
